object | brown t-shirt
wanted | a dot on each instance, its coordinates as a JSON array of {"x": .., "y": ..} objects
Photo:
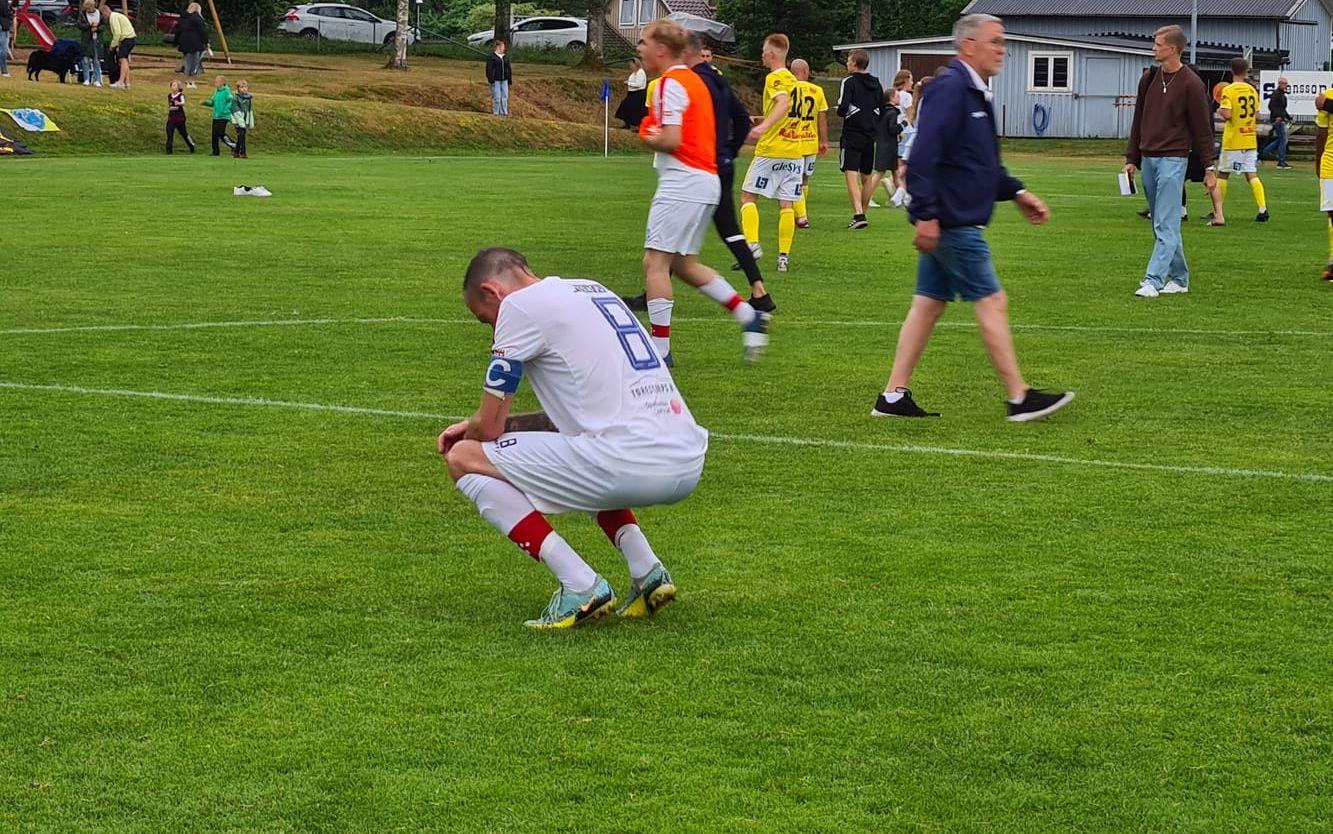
[{"x": 1171, "y": 117}]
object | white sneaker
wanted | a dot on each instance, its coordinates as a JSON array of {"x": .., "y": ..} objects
[
  {"x": 97, "y": 83},
  {"x": 899, "y": 198},
  {"x": 1173, "y": 287},
  {"x": 119, "y": 85},
  {"x": 1146, "y": 290},
  {"x": 249, "y": 191},
  {"x": 87, "y": 83},
  {"x": 873, "y": 204}
]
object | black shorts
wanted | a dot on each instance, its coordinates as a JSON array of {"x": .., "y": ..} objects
[
  {"x": 125, "y": 48},
  {"x": 886, "y": 156},
  {"x": 857, "y": 156}
]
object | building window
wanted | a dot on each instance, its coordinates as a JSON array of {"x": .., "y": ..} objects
[
  {"x": 627, "y": 12},
  {"x": 647, "y": 11},
  {"x": 1050, "y": 72}
]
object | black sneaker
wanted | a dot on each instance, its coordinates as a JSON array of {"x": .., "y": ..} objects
[
  {"x": 858, "y": 222},
  {"x": 637, "y": 303},
  {"x": 1282, "y": 166},
  {"x": 1328, "y": 274},
  {"x": 1145, "y": 214},
  {"x": 764, "y": 304},
  {"x": 1261, "y": 217},
  {"x": 1039, "y": 404},
  {"x": 904, "y": 407},
  {"x": 1209, "y": 216}
]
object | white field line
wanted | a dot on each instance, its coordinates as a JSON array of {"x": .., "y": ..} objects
[
  {"x": 965, "y": 325},
  {"x": 770, "y": 440}
]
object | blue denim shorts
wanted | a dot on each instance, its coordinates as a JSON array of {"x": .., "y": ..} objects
[{"x": 960, "y": 267}]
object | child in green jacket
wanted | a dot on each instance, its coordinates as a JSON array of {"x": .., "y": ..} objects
[
  {"x": 221, "y": 102},
  {"x": 242, "y": 117}
]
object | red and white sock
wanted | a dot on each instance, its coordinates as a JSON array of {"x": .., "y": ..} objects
[
  {"x": 721, "y": 292},
  {"x": 622, "y": 528},
  {"x": 659, "y": 323},
  {"x": 510, "y": 512}
]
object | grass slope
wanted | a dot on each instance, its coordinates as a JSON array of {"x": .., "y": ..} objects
[
  {"x": 238, "y": 617},
  {"x": 330, "y": 104}
]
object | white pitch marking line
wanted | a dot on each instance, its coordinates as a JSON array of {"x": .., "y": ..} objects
[
  {"x": 772, "y": 440},
  {"x": 967, "y": 325}
]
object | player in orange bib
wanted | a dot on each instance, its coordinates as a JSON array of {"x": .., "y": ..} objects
[{"x": 681, "y": 130}]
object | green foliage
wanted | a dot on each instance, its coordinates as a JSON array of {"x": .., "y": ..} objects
[{"x": 816, "y": 27}]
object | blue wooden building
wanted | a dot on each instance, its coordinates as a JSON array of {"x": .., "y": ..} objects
[{"x": 1074, "y": 65}]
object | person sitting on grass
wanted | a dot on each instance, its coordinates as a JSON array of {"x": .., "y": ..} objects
[
  {"x": 242, "y": 117},
  {"x": 220, "y": 101}
]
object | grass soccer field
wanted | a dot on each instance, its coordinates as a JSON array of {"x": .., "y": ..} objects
[{"x": 238, "y": 592}]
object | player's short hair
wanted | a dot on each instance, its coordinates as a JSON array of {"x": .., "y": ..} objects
[
  {"x": 859, "y": 58},
  {"x": 491, "y": 262},
  {"x": 1239, "y": 66},
  {"x": 667, "y": 33},
  {"x": 968, "y": 25},
  {"x": 901, "y": 78},
  {"x": 694, "y": 42},
  {"x": 779, "y": 42},
  {"x": 1175, "y": 36}
]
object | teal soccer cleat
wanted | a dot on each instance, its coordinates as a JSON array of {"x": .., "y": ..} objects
[
  {"x": 567, "y": 609},
  {"x": 649, "y": 595}
]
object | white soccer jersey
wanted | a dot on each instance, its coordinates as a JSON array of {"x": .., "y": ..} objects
[{"x": 593, "y": 368}]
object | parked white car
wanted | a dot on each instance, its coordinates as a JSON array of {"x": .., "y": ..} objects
[
  {"x": 339, "y": 22},
  {"x": 566, "y": 32}
]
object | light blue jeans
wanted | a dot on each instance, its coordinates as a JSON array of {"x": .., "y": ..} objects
[
  {"x": 1163, "y": 183},
  {"x": 499, "y": 98},
  {"x": 4, "y": 49}
]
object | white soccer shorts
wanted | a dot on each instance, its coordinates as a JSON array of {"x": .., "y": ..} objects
[
  {"x": 676, "y": 226},
  {"x": 1326, "y": 195},
  {"x": 810, "y": 160},
  {"x": 1239, "y": 162},
  {"x": 776, "y": 179},
  {"x": 562, "y": 473}
]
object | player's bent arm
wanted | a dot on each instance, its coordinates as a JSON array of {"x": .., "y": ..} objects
[
  {"x": 666, "y": 140},
  {"x": 1224, "y": 113},
  {"x": 530, "y": 421},
  {"x": 489, "y": 421},
  {"x": 781, "y": 107}
]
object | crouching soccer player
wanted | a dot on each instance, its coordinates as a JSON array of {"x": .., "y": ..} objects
[{"x": 613, "y": 433}]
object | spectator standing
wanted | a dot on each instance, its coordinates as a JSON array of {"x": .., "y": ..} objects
[
  {"x": 176, "y": 117},
  {"x": 955, "y": 177},
  {"x": 220, "y": 101},
  {"x": 633, "y": 107},
  {"x": 89, "y": 21},
  {"x": 192, "y": 41},
  {"x": 1171, "y": 118},
  {"x": 860, "y": 103},
  {"x": 242, "y": 117},
  {"x": 1279, "y": 118},
  {"x": 123, "y": 39},
  {"x": 6, "y": 28},
  {"x": 499, "y": 75}
]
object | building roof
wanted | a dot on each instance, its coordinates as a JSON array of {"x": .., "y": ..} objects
[
  {"x": 1270, "y": 9},
  {"x": 1123, "y": 45},
  {"x": 703, "y": 8}
]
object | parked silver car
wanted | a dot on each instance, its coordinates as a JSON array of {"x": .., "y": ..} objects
[
  {"x": 566, "y": 32},
  {"x": 340, "y": 22}
]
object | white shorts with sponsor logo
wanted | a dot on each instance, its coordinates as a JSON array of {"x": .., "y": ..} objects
[
  {"x": 776, "y": 179},
  {"x": 1238, "y": 162},
  {"x": 1326, "y": 195},
  {"x": 561, "y": 473},
  {"x": 676, "y": 226},
  {"x": 810, "y": 160}
]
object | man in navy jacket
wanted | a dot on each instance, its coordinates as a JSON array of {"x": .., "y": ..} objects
[{"x": 954, "y": 178}]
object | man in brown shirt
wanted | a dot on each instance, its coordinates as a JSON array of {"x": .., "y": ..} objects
[{"x": 1171, "y": 118}]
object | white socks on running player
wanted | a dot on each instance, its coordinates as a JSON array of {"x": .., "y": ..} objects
[
  {"x": 659, "y": 321},
  {"x": 510, "y": 512},
  {"x": 720, "y": 291}
]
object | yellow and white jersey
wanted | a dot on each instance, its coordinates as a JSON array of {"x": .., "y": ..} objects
[
  {"x": 1243, "y": 102},
  {"x": 809, "y": 102},
  {"x": 782, "y": 141}
]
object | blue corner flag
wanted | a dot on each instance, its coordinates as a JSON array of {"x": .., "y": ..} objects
[{"x": 606, "y": 90}]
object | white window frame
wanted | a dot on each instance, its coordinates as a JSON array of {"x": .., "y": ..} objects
[
  {"x": 1033, "y": 57},
  {"x": 633, "y": 7},
  {"x": 652, "y": 14}
]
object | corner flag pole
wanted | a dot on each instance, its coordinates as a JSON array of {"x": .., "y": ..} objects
[{"x": 606, "y": 118}]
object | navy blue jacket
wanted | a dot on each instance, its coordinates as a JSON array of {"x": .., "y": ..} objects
[
  {"x": 733, "y": 120},
  {"x": 954, "y": 172}
]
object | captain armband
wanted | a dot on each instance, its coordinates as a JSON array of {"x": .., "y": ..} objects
[{"x": 503, "y": 376}]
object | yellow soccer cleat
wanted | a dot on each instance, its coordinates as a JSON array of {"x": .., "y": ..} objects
[{"x": 649, "y": 595}]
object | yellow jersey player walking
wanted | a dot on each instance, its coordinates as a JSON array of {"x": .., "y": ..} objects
[
  {"x": 813, "y": 113},
  {"x": 1239, "y": 108},
  {"x": 779, "y": 164},
  {"x": 1324, "y": 164}
]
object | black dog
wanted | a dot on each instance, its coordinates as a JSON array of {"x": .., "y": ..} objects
[{"x": 64, "y": 62}]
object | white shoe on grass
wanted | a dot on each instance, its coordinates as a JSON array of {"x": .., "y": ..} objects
[
  {"x": 1146, "y": 290},
  {"x": 1173, "y": 288}
]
